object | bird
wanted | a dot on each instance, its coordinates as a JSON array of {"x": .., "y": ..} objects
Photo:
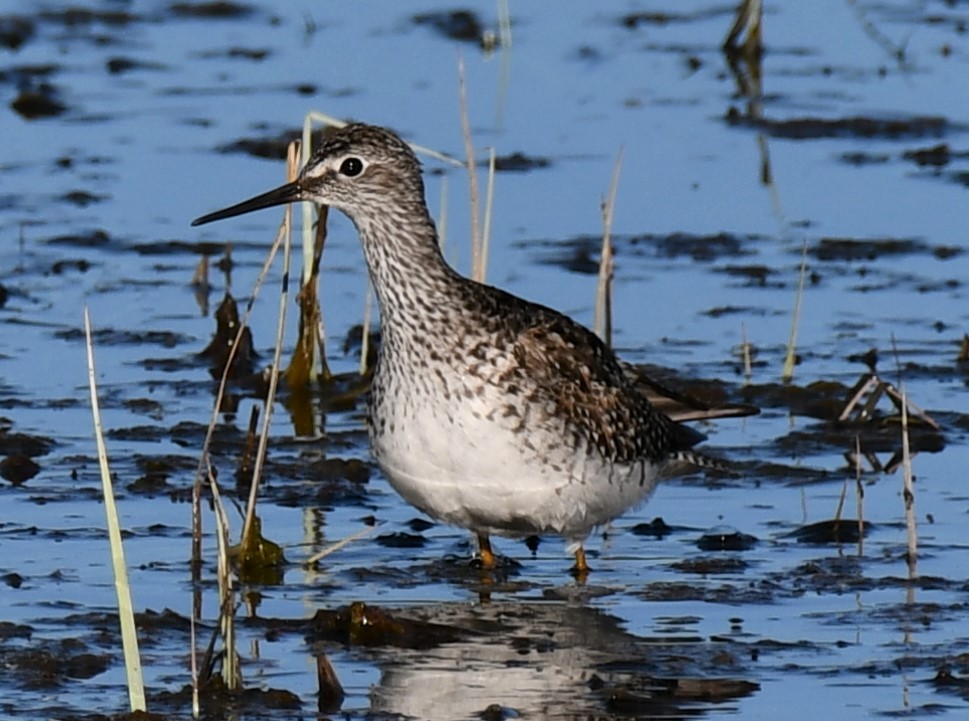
[{"x": 486, "y": 411}]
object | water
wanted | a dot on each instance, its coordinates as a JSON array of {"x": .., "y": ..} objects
[{"x": 95, "y": 204}]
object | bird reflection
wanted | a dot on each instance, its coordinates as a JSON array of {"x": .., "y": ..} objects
[{"x": 551, "y": 661}]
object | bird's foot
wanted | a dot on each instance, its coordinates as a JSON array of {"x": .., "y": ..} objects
[{"x": 580, "y": 571}]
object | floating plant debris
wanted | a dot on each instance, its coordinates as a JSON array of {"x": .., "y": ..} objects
[
  {"x": 41, "y": 103},
  {"x": 835, "y": 531},
  {"x": 461, "y": 25},
  {"x": 726, "y": 539}
]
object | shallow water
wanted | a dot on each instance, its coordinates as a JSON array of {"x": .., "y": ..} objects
[{"x": 863, "y": 128}]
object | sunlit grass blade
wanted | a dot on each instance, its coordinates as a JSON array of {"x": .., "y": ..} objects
[{"x": 126, "y": 616}]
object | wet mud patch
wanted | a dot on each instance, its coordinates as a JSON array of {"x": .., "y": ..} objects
[
  {"x": 215, "y": 10},
  {"x": 41, "y": 102},
  {"x": 520, "y": 162},
  {"x": 120, "y": 65},
  {"x": 810, "y": 128},
  {"x": 862, "y": 423},
  {"x": 460, "y": 25},
  {"x": 940, "y": 161},
  {"x": 53, "y": 665},
  {"x": 19, "y": 453},
  {"x": 581, "y": 254},
  {"x": 711, "y": 590},
  {"x": 756, "y": 276},
  {"x": 635, "y": 20},
  {"x": 272, "y": 147},
  {"x": 253, "y": 54},
  {"x": 15, "y": 30},
  {"x": 322, "y": 482},
  {"x": 935, "y": 156},
  {"x": 111, "y": 336},
  {"x": 870, "y": 249},
  {"x": 832, "y": 532},
  {"x": 74, "y": 17}
]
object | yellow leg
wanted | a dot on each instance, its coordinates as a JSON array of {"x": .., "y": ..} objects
[
  {"x": 484, "y": 550},
  {"x": 581, "y": 568}
]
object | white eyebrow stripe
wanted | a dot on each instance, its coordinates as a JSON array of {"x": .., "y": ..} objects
[{"x": 317, "y": 169}]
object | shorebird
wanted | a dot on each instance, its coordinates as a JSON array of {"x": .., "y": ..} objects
[{"x": 486, "y": 411}]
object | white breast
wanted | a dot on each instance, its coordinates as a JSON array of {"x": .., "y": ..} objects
[{"x": 459, "y": 457}]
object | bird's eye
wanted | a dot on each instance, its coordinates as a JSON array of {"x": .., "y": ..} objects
[{"x": 351, "y": 167}]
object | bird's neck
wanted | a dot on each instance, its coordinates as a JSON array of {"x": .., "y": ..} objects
[{"x": 413, "y": 282}]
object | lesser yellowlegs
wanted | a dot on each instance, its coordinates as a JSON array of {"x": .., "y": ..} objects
[{"x": 486, "y": 411}]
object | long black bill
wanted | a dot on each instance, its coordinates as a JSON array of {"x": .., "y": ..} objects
[{"x": 289, "y": 193}]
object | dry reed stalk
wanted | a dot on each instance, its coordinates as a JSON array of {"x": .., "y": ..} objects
[
  {"x": 749, "y": 23},
  {"x": 504, "y": 24},
  {"x": 443, "y": 215},
  {"x": 908, "y": 480},
  {"x": 603, "y": 311},
  {"x": 126, "y": 615},
  {"x": 292, "y": 169},
  {"x": 204, "y": 470},
  {"x": 334, "y": 547},
  {"x": 504, "y": 73},
  {"x": 486, "y": 227},
  {"x": 908, "y": 490},
  {"x": 312, "y": 245},
  {"x": 220, "y": 395},
  {"x": 200, "y": 284},
  {"x": 859, "y": 497},
  {"x": 306, "y": 209},
  {"x": 472, "y": 173},
  {"x": 789, "y": 357},
  {"x": 231, "y": 670},
  {"x": 839, "y": 509},
  {"x": 745, "y": 353},
  {"x": 365, "y": 336},
  {"x": 326, "y": 119},
  {"x": 308, "y": 360},
  {"x": 193, "y": 664}
]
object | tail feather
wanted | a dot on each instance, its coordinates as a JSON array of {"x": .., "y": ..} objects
[{"x": 700, "y": 460}]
